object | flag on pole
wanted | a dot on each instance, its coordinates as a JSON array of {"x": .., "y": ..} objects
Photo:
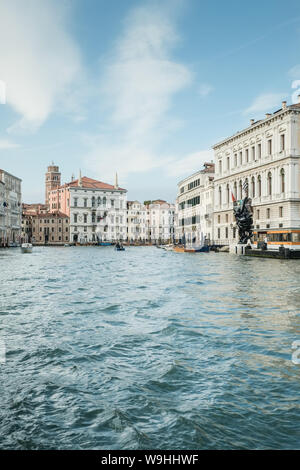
[{"x": 233, "y": 197}]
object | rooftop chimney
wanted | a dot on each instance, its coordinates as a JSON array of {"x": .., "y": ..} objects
[
  {"x": 284, "y": 105},
  {"x": 252, "y": 121},
  {"x": 268, "y": 115}
]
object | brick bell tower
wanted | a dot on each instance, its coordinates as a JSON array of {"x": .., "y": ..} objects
[{"x": 52, "y": 181}]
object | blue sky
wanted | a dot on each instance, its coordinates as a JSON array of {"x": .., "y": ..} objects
[{"x": 144, "y": 88}]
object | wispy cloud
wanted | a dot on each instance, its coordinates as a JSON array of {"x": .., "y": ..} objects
[
  {"x": 205, "y": 89},
  {"x": 190, "y": 163},
  {"x": 265, "y": 102},
  {"x": 7, "y": 144},
  {"x": 138, "y": 86},
  {"x": 38, "y": 58}
]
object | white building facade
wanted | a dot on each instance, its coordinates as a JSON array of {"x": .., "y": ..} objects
[
  {"x": 137, "y": 222},
  {"x": 97, "y": 211},
  {"x": 265, "y": 158},
  {"x": 195, "y": 205},
  {"x": 10, "y": 209},
  {"x": 161, "y": 222}
]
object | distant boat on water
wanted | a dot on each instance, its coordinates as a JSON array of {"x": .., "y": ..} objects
[{"x": 26, "y": 248}]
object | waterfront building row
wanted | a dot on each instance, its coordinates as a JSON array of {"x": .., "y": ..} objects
[
  {"x": 89, "y": 211},
  {"x": 10, "y": 209}
]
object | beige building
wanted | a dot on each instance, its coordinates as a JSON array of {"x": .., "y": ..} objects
[
  {"x": 10, "y": 209},
  {"x": 264, "y": 159},
  {"x": 41, "y": 227},
  {"x": 195, "y": 205}
]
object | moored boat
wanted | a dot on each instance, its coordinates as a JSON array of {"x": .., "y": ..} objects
[
  {"x": 178, "y": 249},
  {"x": 26, "y": 248},
  {"x": 199, "y": 249}
]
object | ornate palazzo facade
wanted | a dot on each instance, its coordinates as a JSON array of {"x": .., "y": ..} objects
[{"x": 262, "y": 161}]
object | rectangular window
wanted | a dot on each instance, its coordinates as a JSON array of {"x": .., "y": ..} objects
[
  {"x": 259, "y": 150},
  {"x": 253, "y": 153},
  {"x": 235, "y": 159},
  {"x": 85, "y": 202},
  {"x": 270, "y": 147},
  {"x": 228, "y": 163},
  {"x": 280, "y": 211},
  {"x": 268, "y": 213},
  {"x": 75, "y": 201},
  {"x": 219, "y": 233},
  {"x": 247, "y": 155},
  {"x": 85, "y": 218},
  {"x": 257, "y": 214},
  {"x": 282, "y": 142}
]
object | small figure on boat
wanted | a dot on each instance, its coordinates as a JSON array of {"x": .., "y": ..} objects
[{"x": 119, "y": 246}]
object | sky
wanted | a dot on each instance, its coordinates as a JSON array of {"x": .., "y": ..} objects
[{"x": 142, "y": 88}]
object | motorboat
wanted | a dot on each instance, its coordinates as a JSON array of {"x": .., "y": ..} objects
[
  {"x": 26, "y": 248},
  {"x": 119, "y": 247},
  {"x": 168, "y": 247},
  {"x": 197, "y": 249}
]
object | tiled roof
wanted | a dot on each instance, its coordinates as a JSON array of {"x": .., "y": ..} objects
[{"x": 91, "y": 184}]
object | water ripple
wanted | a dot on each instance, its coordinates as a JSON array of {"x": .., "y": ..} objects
[{"x": 148, "y": 350}]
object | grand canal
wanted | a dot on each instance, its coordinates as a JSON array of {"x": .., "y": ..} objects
[{"x": 148, "y": 349}]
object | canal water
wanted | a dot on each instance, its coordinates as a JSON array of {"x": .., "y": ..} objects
[{"x": 147, "y": 349}]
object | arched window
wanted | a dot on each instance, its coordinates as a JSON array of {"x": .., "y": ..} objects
[
  {"x": 228, "y": 193},
  {"x": 104, "y": 201},
  {"x": 93, "y": 201},
  {"x": 253, "y": 186},
  {"x": 269, "y": 184},
  {"x": 259, "y": 185},
  {"x": 282, "y": 180},
  {"x": 220, "y": 195},
  {"x": 99, "y": 201}
]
